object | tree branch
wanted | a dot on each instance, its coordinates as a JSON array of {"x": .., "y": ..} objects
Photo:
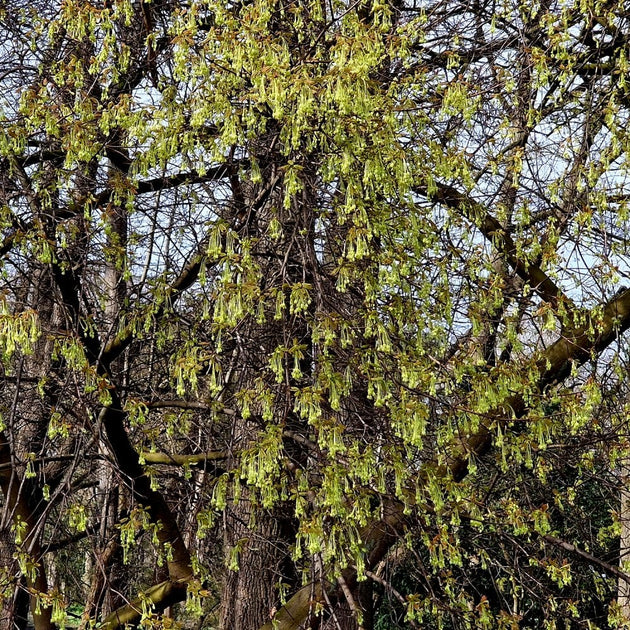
[
  {"x": 388, "y": 586},
  {"x": 553, "y": 366},
  {"x": 183, "y": 460},
  {"x": 157, "y": 598},
  {"x": 186, "y": 278},
  {"x": 609, "y": 568},
  {"x": 500, "y": 238},
  {"x": 296, "y": 610}
]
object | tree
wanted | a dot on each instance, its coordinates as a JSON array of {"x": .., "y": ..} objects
[{"x": 313, "y": 313}]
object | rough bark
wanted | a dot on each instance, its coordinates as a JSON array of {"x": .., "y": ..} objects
[{"x": 249, "y": 592}]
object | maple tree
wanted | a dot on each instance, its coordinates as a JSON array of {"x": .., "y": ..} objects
[{"x": 313, "y": 314}]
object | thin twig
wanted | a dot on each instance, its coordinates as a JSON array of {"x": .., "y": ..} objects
[
  {"x": 401, "y": 598},
  {"x": 351, "y": 601}
]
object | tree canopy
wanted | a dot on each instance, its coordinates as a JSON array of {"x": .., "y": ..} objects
[{"x": 312, "y": 314}]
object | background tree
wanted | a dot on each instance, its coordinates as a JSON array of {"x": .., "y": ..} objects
[{"x": 312, "y": 314}]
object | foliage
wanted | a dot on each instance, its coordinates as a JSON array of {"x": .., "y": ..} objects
[{"x": 331, "y": 283}]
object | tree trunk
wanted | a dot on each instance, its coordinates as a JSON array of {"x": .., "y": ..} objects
[{"x": 249, "y": 595}]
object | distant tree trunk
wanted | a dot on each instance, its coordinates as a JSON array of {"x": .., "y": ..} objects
[
  {"x": 18, "y": 493},
  {"x": 109, "y": 574},
  {"x": 105, "y": 575},
  {"x": 623, "y": 587},
  {"x": 25, "y": 437}
]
